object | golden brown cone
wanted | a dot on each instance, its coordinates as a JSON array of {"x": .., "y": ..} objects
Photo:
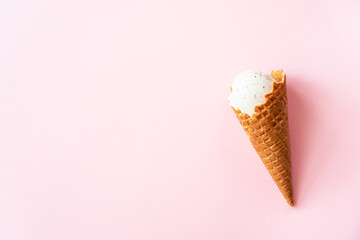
[{"x": 268, "y": 131}]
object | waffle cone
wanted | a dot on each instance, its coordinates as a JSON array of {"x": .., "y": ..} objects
[{"x": 268, "y": 132}]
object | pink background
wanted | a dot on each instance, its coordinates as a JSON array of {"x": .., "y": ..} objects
[{"x": 114, "y": 120}]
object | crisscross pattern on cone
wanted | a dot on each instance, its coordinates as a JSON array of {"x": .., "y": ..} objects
[{"x": 268, "y": 132}]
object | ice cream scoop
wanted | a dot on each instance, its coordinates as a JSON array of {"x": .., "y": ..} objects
[{"x": 249, "y": 89}]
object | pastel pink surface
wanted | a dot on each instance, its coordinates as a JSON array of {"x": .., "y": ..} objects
[{"x": 115, "y": 123}]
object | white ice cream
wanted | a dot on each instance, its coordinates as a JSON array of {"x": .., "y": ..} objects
[{"x": 249, "y": 89}]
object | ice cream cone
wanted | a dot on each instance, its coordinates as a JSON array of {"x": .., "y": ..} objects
[{"x": 268, "y": 132}]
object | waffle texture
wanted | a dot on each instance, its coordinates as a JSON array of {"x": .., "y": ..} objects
[{"x": 268, "y": 131}]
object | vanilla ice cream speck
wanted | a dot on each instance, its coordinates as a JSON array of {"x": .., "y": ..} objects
[{"x": 249, "y": 89}]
